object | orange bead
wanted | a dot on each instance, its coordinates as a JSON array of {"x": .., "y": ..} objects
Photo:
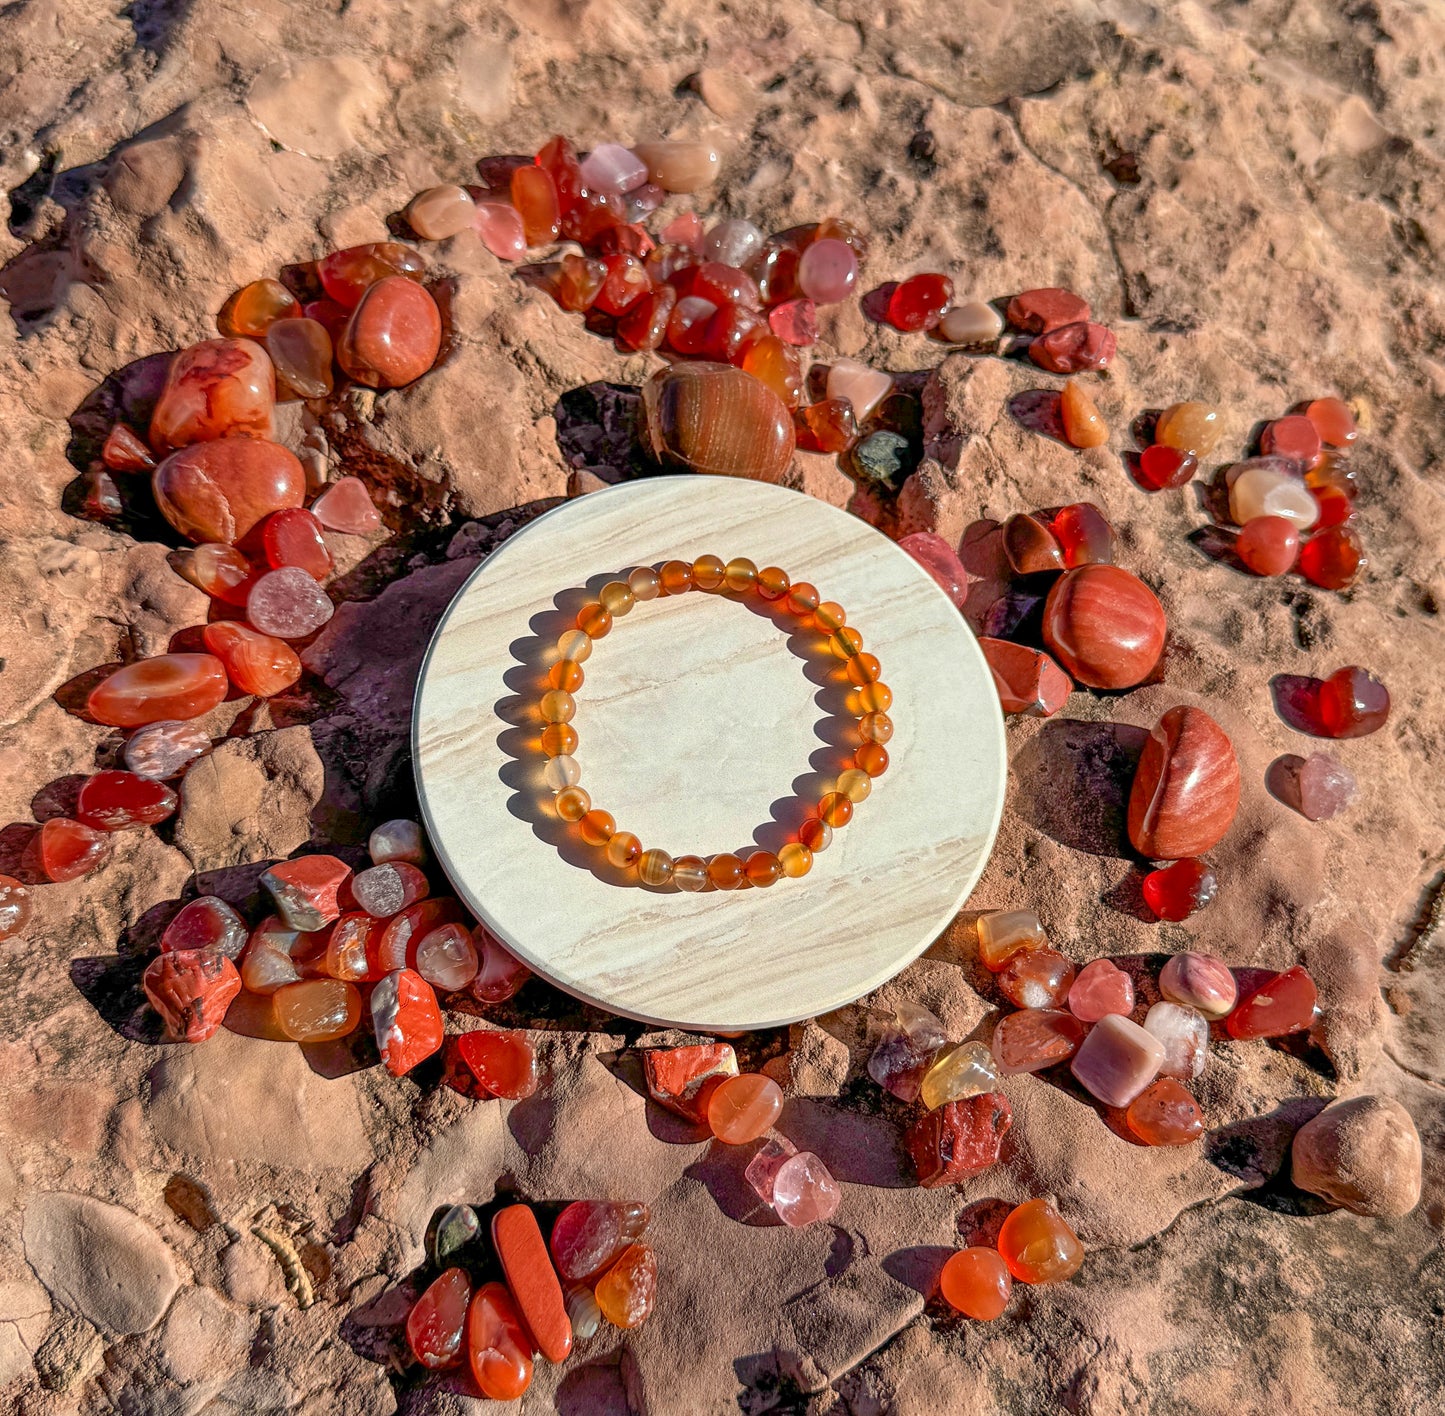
[
  {"x": 763, "y": 869},
  {"x": 795, "y": 859},
  {"x": 1038, "y": 1246},
  {"x": 559, "y": 739},
  {"x": 816, "y": 835},
  {"x": 565, "y": 674},
  {"x": 689, "y": 872},
  {"x": 594, "y": 620},
  {"x": 835, "y": 809},
  {"x": 863, "y": 669},
  {"x": 740, "y": 575},
  {"x": 725, "y": 871},
  {"x": 875, "y": 727},
  {"x": 624, "y": 850},
  {"x": 557, "y": 706},
  {"x": 875, "y": 698},
  {"x": 872, "y": 759},
  {"x": 803, "y": 599},
  {"x": 977, "y": 1283},
  {"x": 573, "y": 803},
  {"x": 845, "y": 643},
  {"x": 855, "y": 784},
  {"x": 676, "y": 577},
  {"x": 773, "y": 583},
  {"x": 708, "y": 572},
  {"x": 829, "y": 617},
  {"x": 742, "y": 1108},
  {"x": 597, "y": 827}
]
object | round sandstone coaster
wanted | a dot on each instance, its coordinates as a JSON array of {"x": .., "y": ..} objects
[{"x": 707, "y": 723}]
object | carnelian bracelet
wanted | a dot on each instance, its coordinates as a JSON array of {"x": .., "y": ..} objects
[{"x": 623, "y": 850}]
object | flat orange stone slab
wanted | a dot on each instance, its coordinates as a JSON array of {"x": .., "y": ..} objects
[{"x": 532, "y": 1279}]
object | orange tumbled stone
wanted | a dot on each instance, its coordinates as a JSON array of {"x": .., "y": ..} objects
[
  {"x": 255, "y": 663},
  {"x": 407, "y": 1020},
  {"x": 976, "y": 1282},
  {"x": 533, "y": 1281},
  {"x": 254, "y": 308},
  {"x": 743, "y": 1107},
  {"x": 499, "y": 1349},
  {"x": 1164, "y": 1114},
  {"x": 157, "y": 689},
  {"x": 627, "y": 1291},
  {"x": 215, "y": 389},
  {"x": 718, "y": 420},
  {"x": 1333, "y": 421},
  {"x": 318, "y": 1009},
  {"x": 191, "y": 990},
  {"x": 684, "y": 1078},
  {"x": 776, "y": 365},
  {"x": 1084, "y": 425},
  {"x": 1038, "y": 1246},
  {"x": 217, "y": 491},
  {"x": 393, "y": 336}
]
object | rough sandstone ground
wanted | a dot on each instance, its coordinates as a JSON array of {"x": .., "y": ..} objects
[{"x": 1253, "y": 197}]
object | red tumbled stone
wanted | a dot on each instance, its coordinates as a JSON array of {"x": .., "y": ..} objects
[
  {"x": 1039, "y": 311},
  {"x": 1333, "y": 558},
  {"x": 191, "y": 990},
  {"x": 1295, "y": 437},
  {"x": 158, "y": 689},
  {"x": 305, "y": 889},
  {"x": 69, "y": 849},
  {"x": 1084, "y": 535},
  {"x": 1027, "y": 680},
  {"x": 407, "y": 1020},
  {"x": 682, "y": 1078},
  {"x": 919, "y": 302},
  {"x": 1073, "y": 348},
  {"x": 1352, "y": 702},
  {"x": 293, "y": 537},
  {"x": 1104, "y": 625},
  {"x": 1186, "y": 788},
  {"x": 217, "y": 491},
  {"x": 960, "y": 1139},
  {"x": 1280, "y": 1005},
  {"x": 218, "y": 388},
  {"x": 117, "y": 801},
  {"x": 124, "y": 452},
  {"x": 393, "y": 335},
  {"x": 1179, "y": 889},
  {"x": 1162, "y": 467}
]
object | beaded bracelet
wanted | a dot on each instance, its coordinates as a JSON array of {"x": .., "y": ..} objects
[{"x": 727, "y": 871}]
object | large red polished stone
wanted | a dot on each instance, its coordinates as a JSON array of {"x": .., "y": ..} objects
[
  {"x": 1104, "y": 625},
  {"x": 160, "y": 688},
  {"x": 393, "y": 336},
  {"x": 255, "y": 662},
  {"x": 1027, "y": 680},
  {"x": 1186, "y": 788},
  {"x": 118, "y": 801},
  {"x": 1282, "y": 1004},
  {"x": 436, "y": 1322},
  {"x": 219, "y": 388},
  {"x": 1350, "y": 703},
  {"x": 1333, "y": 558},
  {"x": 217, "y": 491},
  {"x": 1073, "y": 348},
  {"x": 191, "y": 990},
  {"x": 499, "y": 1348},
  {"x": 919, "y": 302},
  {"x": 69, "y": 849},
  {"x": 960, "y": 1139},
  {"x": 504, "y": 1062}
]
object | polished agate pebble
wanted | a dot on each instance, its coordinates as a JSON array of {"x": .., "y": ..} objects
[
  {"x": 1084, "y": 425},
  {"x": 1282, "y": 1004},
  {"x": 167, "y": 686},
  {"x": 165, "y": 749},
  {"x": 218, "y": 388},
  {"x": 217, "y": 491},
  {"x": 718, "y": 420},
  {"x": 973, "y": 323},
  {"x": 1268, "y": 545},
  {"x": 1117, "y": 1060},
  {"x": 1180, "y": 888},
  {"x": 1104, "y": 626},
  {"x": 1038, "y": 311},
  {"x": 1073, "y": 348},
  {"x": 393, "y": 336},
  {"x": 301, "y": 351},
  {"x": 678, "y": 166},
  {"x": 861, "y": 385},
  {"x": 1084, "y": 535},
  {"x": 207, "y": 923},
  {"x": 69, "y": 849},
  {"x": 1002, "y": 933},
  {"x": 1333, "y": 558},
  {"x": 827, "y": 271},
  {"x": 1186, "y": 787},
  {"x": 288, "y": 604},
  {"x": 440, "y": 212},
  {"x": 1038, "y": 1246},
  {"x": 1030, "y": 545},
  {"x": 1027, "y": 680},
  {"x": 1035, "y": 1038},
  {"x": 1037, "y": 978},
  {"x": 1193, "y": 428},
  {"x": 1102, "y": 988},
  {"x": 253, "y": 309},
  {"x": 318, "y": 1010},
  {"x": 1199, "y": 981},
  {"x": 346, "y": 275},
  {"x": 1333, "y": 421},
  {"x": 16, "y": 907},
  {"x": 347, "y": 506},
  {"x": 256, "y": 663},
  {"x": 1260, "y": 489},
  {"x": 1164, "y": 1114},
  {"x": 1184, "y": 1035}
]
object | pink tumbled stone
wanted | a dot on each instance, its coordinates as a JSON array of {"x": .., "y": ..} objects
[
  {"x": 1318, "y": 787},
  {"x": 1199, "y": 981},
  {"x": 288, "y": 603},
  {"x": 499, "y": 972},
  {"x": 763, "y": 1168},
  {"x": 1117, "y": 1060},
  {"x": 684, "y": 230},
  {"x": 861, "y": 384},
  {"x": 940, "y": 560},
  {"x": 499, "y": 225},
  {"x": 347, "y": 506},
  {"x": 1100, "y": 990},
  {"x": 164, "y": 750},
  {"x": 1184, "y": 1035},
  {"x": 795, "y": 322},
  {"x": 613, "y": 169},
  {"x": 804, "y": 1191},
  {"x": 828, "y": 271}
]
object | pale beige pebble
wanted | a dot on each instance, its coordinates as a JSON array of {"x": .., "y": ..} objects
[
  {"x": 972, "y": 322},
  {"x": 204, "y": 1338},
  {"x": 250, "y": 799},
  {"x": 1363, "y": 1153},
  {"x": 320, "y": 107},
  {"x": 440, "y": 212},
  {"x": 580, "y": 481},
  {"x": 99, "y": 1260},
  {"x": 24, "y": 1317},
  {"x": 72, "y": 1350},
  {"x": 728, "y": 93},
  {"x": 237, "y": 1099},
  {"x": 679, "y": 166}
]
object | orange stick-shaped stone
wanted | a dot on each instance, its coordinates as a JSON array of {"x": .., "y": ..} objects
[{"x": 532, "y": 1279}]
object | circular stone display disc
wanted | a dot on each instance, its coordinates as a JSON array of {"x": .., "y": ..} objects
[{"x": 707, "y": 724}]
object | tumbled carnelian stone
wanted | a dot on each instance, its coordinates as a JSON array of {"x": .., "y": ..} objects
[
  {"x": 1280, "y": 1005},
  {"x": 827, "y": 426},
  {"x": 1351, "y": 702},
  {"x": 684, "y": 1078},
  {"x": 347, "y": 275},
  {"x": 774, "y": 363},
  {"x": 317, "y": 1009},
  {"x": 406, "y": 1019},
  {"x": 256, "y": 663},
  {"x": 218, "y": 388},
  {"x": 70, "y": 849},
  {"x": 590, "y": 1235},
  {"x": 124, "y": 452},
  {"x": 15, "y": 906},
  {"x": 1035, "y": 1038},
  {"x": 293, "y": 537},
  {"x": 499, "y": 1349},
  {"x": 217, "y": 491},
  {"x": 1268, "y": 545},
  {"x": 919, "y": 302},
  {"x": 743, "y": 1107},
  {"x": 977, "y": 1283},
  {"x": 220, "y": 570},
  {"x": 627, "y": 1291},
  {"x": 1084, "y": 535},
  {"x": 504, "y": 1063},
  {"x": 118, "y": 801},
  {"x": 393, "y": 335},
  {"x": 302, "y": 351},
  {"x": 534, "y": 194},
  {"x": 191, "y": 989},
  {"x": 1333, "y": 557},
  {"x": 435, "y": 1325},
  {"x": 254, "y": 308},
  {"x": 1333, "y": 421},
  {"x": 153, "y": 690},
  {"x": 518, "y": 1242},
  {"x": 1164, "y": 1114},
  {"x": 1038, "y": 1246}
]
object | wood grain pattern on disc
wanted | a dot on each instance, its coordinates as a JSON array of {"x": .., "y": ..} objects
[{"x": 704, "y": 727}]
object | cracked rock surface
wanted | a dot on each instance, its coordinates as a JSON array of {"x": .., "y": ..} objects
[{"x": 1251, "y": 197}]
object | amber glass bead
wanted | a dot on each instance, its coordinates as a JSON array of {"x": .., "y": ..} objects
[
  {"x": 854, "y": 784},
  {"x": 862, "y": 669},
  {"x": 725, "y": 871},
  {"x": 676, "y": 577},
  {"x": 558, "y": 706},
  {"x": 872, "y": 759},
  {"x": 773, "y": 583},
  {"x": 573, "y": 803},
  {"x": 875, "y": 727},
  {"x": 740, "y": 574},
  {"x": 816, "y": 835},
  {"x": 644, "y": 582},
  {"x": 617, "y": 597},
  {"x": 594, "y": 620},
  {"x": 708, "y": 572},
  {"x": 763, "y": 868},
  {"x": 559, "y": 739},
  {"x": 689, "y": 872},
  {"x": 835, "y": 809},
  {"x": 566, "y": 675},
  {"x": 802, "y": 599},
  {"x": 795, "y": 859},
  {"x": 845, "y": 643},
  {"x": 624, "y": 850},
  {"x": 875, "y": 698},
  {"x": 597, "y": 827},
  {"x": 575, "y": 645},
  {"x": 829, "y": 617},
  {"x": 654, "y": 867}
]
